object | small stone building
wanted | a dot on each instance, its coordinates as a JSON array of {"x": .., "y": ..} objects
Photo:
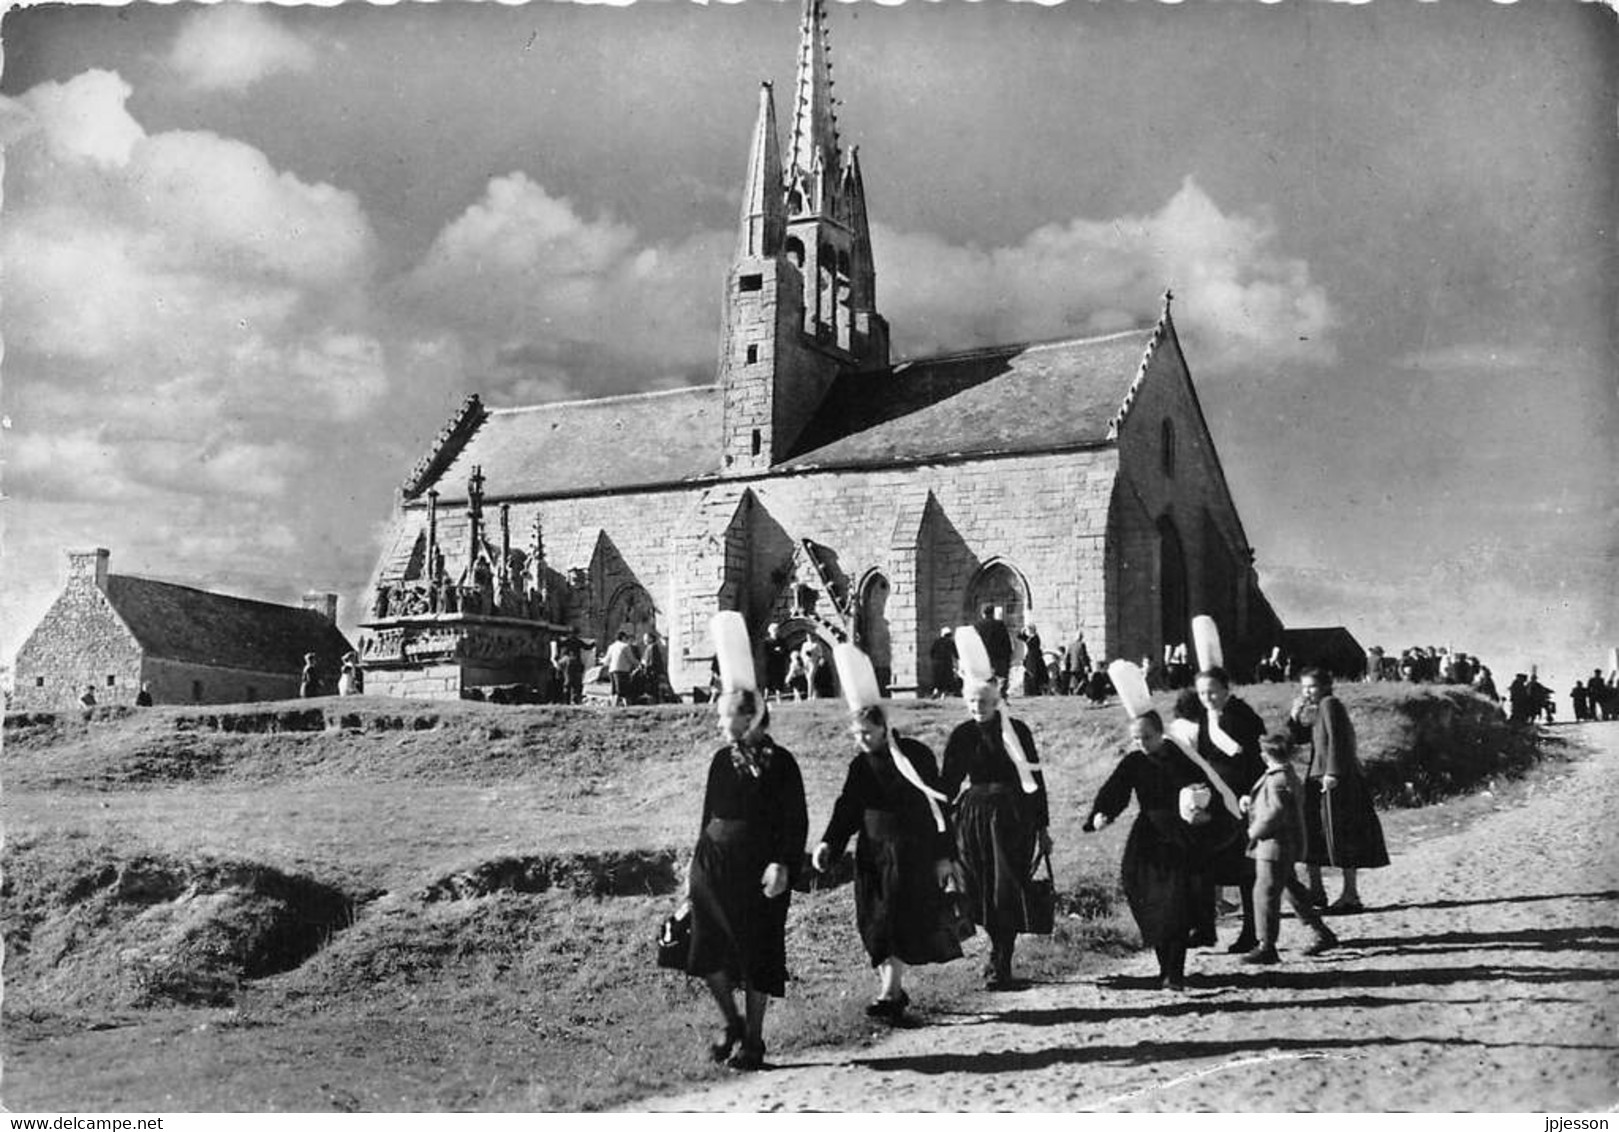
[
  {"x": 112, "y": 633},
  {"x": 819, "y": 485}
]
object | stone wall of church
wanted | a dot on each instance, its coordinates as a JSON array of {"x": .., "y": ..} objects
[
  {"x": 1172, "y": 472},
  {"x": 929, "y": 530},
  {"x": 79, "y": 642}
]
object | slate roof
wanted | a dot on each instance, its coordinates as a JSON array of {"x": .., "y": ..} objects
[
  {"x": 1005, "y": 400},
  {"x": 1009, "y": 399},
  {"x": 574, "y": 447},
  {"x": 180, "y": 623}
]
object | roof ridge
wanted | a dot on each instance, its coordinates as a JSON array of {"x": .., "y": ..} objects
[
  {"x": 613, "y": 399},
  {"x": 277, "y": 605},
  {"x": 1020, "y": 347}
]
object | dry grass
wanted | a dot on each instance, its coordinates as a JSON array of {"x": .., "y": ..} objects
[{"x": 529, "y": 996}]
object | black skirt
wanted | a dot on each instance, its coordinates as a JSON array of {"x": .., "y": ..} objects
[
  {"x": 1353, "y": 837},
  {"x": 734, "y": 929},
  {"x": 899, "y": 907},
  {"x": 995, "y": 839},
  {"x": 1160, "y": 884}
]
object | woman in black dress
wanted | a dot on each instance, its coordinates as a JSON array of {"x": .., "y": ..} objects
[
  {"x": 1228, "y": 735},
  {"x": 750, "y": 846},
  {"x": 999, "y": 822},
  {"x": 1160, "y": 874},
  {"x": 902, "y": 858}
]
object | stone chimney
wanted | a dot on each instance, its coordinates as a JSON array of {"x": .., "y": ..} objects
[
  {"x": 323, "y": 604},
  {"x": 88, "y": 566}
]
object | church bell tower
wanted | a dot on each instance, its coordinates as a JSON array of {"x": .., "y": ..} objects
[{"x": 800, "y": 298}]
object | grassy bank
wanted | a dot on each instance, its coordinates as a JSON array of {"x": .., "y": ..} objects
[{"x": 376, "y": 905}]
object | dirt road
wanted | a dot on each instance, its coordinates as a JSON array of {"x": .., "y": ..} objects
[{"x": 1481, "y": 978}]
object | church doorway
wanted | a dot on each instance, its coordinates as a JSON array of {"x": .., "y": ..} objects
[
  {"x": 1174, "y": 606},
  {"x": 631, "y": 611},
  {"x": 998, "y": 591},
  {"x": 871, "y": 627}
]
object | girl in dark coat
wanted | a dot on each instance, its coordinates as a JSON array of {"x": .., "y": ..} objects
[
  {"x": 1340, "y": 824},
  {"x": 998, "y": 822},
  {"x": 1228, "y": 735},
  {"x": 1160, "y": 873},
  {"x": 750, "y": 845},
  {"x": 902, "y": 857}
]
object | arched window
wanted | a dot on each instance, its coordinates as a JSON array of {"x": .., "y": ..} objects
[{"x": 1166, "y": 454}]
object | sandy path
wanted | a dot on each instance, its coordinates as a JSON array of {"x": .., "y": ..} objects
[{"x": 1482, "y": 977}]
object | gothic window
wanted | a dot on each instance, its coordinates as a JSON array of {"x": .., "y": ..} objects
[
  {"x": 1166, "y": 453},
  {"x": 753, "y": 354},
  {"x": 795, "y": 252}
]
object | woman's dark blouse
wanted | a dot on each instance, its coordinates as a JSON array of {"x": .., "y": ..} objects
[
  {"x": 873, "y": 783},
  {"x": 975, "y": 752},
  {"x": 1156, "y": 781},
  {"x": 773, "y": 804},
  {"x": 1242, "y": 723}
]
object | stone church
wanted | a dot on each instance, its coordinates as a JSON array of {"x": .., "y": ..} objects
[{"x": 818, "y": 484}]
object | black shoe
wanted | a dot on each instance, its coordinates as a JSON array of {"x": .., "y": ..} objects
[
  {"x": 751, "y": 1056},
  {"x": 889, "y": 1009},
  {"x": 1243, "y": 944},
  {"x": 1262, "y": 957},
  {"x": 1342, "y": 907},
  {"x": 1326, "y": 941},
  {"x": 720, "y": 1049}
]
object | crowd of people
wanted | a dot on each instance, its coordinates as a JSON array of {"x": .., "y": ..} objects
[{"x": 950, "y": 845}]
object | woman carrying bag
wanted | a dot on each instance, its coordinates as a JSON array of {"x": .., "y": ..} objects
[
  {"x": 891, "y": 799},
  {"x": 751, "y": 842}
]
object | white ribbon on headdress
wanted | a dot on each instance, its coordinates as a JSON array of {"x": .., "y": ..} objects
[
  {"x": 1026, "y": 770},
  {"x": 1221, "y": 739},
  {"x": 909, "y": 774},
  {"x": 1183, "y": 733}
]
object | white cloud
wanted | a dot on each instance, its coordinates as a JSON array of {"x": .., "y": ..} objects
[
  {"x": 1235, "y": 295},
  {"x": 84, "y": 119},
  {"x": 549, "y": 302},
  {"x": 189, "y": 340},
  {"x": 231, "y": 46}
]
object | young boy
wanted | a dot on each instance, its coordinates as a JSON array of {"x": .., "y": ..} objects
[{"x": 1275, "y": 843}]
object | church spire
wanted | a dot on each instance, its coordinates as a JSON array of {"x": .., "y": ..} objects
[
  {"x": 814, "y": 148},
  {"x": 764, "y": 213}
]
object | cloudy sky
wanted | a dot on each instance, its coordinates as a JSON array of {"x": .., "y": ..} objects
[{"x": 254, "y": 257}]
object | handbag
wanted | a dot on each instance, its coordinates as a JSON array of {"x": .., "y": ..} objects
[
  {"x": 955, "y": 920},
  {"x": 1040, "y": 898},
  {"x": 674, "y": 940}
]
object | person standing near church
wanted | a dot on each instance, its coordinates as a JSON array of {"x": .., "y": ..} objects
[
  {"x": 309, "y": 679},
  {"x": 620, "y": 665},
  {"x": 1341, "y": 829}
]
